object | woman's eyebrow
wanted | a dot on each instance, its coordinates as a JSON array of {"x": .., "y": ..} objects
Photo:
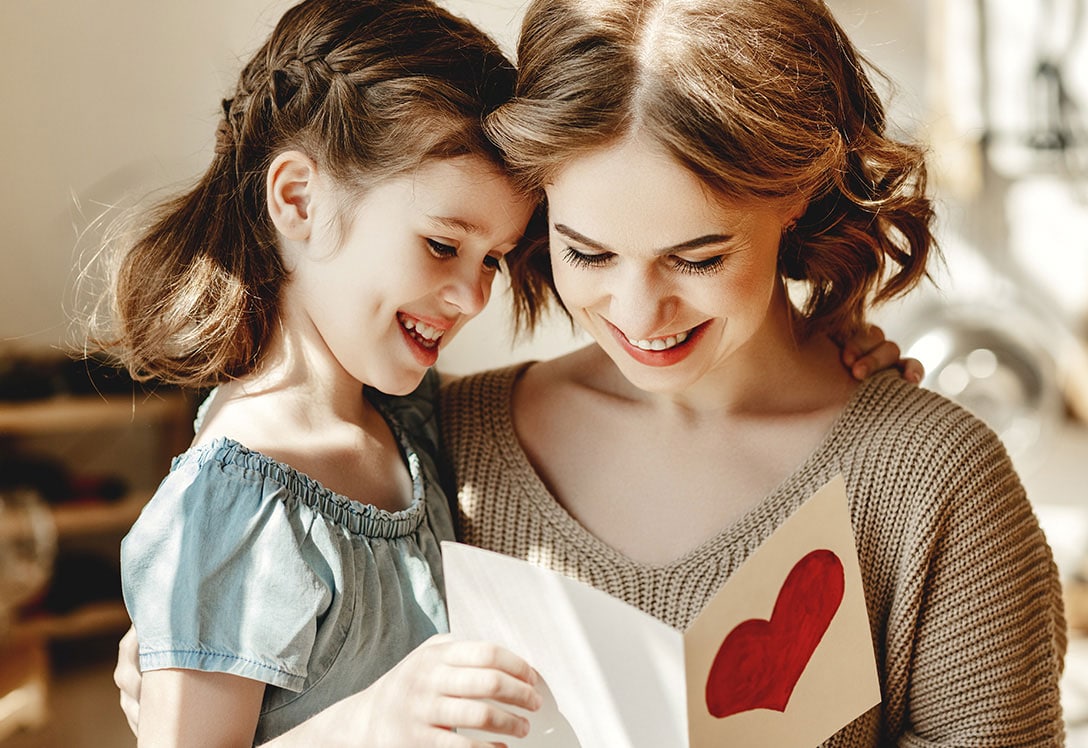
[{"x": 700, "y": 241}]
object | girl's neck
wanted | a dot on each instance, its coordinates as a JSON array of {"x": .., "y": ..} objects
[
  {"x": 303, "y": 410},
  {"x": 304, "y": 385}
]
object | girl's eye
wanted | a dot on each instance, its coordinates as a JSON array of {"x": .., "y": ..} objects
[
  {"x": 493, "y": 263},
  {"x": 440, "y": 250},
  {"x": 581, "y": 259},
  {"x": 699, "y": 267}
]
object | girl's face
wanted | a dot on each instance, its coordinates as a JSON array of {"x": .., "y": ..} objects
[
  {"x": 669, "y": 281},
  {"x": 413, "y": 263}
]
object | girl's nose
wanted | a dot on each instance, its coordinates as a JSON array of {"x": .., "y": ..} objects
[{"x": 470, "y": 290}]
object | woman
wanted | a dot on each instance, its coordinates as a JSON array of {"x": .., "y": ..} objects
[
  {"x": 722, "y": 196},
  {"x": 722, "y": 199}
]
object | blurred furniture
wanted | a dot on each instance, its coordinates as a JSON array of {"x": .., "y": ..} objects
[{"x": 160, "y": 426}]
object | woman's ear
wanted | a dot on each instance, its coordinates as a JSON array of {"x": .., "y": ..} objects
[
  {"x": 290, "y": 192},
  {"x": 795, "y": 209}
]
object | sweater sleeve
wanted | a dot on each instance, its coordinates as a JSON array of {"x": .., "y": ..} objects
[{"x": 990, "y": 636}]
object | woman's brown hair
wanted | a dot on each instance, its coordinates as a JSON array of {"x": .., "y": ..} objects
[
  {"x": 369, "y": 89},
  {"x": 761, "y": 99}
]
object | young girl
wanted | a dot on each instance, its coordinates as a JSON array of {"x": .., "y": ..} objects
[{"x": 352, "y": 221}]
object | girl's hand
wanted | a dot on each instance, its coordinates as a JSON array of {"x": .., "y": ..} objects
[
  {"x": 869, "y": 352},
  {"x": 444, "y": 684}
]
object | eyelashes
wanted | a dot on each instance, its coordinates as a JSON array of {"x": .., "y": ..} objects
[
  {"x": 688, "y": 267},
  {"x": 447, "y": 251},
  {"x": 582, "y": 260},
  {"x": 440, "y": 250}
]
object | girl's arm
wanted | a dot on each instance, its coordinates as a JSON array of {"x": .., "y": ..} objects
[
  {"x": 192, "y": 707},
  {"x": 444, "y": 683}
]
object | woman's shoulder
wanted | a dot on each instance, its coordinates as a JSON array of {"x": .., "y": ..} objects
[
  {"x": 886, "y": 399},
  {"x": 491, "y": 386},
  {"x": 894, "y": 427}
]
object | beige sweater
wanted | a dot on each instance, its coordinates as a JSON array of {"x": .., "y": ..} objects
[{"x": 963, "y": 595}]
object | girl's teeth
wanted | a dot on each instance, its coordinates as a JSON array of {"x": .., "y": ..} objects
[
  {"x": 659, "y": 344},
  {"x": 421, "y": 329}
]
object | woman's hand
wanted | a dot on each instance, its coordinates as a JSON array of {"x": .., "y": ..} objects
[
  {"x": 127, "y": 677},
  {"x": 868, "y": 352}
]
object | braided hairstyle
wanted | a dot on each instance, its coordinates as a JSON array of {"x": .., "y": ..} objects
[{"x": 367, "y": 88}]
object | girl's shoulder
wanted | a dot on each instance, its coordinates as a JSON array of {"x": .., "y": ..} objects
[{"x": 211, "y": 475}]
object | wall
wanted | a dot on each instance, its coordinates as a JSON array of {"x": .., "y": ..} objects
[
  {"x": 106, "y": 101},
  {"x": 103, "y": 103}
]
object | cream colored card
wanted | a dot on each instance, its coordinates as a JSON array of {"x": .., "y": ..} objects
[{"x": 782, "y": 655}]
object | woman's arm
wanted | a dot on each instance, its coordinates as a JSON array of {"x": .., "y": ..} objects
[
  {"x": 192, "y": 707},
  {"x": 988, "y": 638}
]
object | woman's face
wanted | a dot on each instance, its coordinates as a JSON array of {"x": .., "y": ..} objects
[{"x": 671, "y": 282}]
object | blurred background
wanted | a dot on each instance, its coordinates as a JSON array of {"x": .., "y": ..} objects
[{"x": 108, "y": 102}]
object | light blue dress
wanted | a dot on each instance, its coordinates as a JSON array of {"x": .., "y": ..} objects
[{"x": 240, "y": 564}]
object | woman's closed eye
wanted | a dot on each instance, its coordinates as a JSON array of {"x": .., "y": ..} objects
[
  {"x": 699, "y": 267},
  {"x": 583, "y": 259},
  {"x": 705, "y": 266}
]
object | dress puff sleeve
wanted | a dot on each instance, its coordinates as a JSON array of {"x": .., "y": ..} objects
[{"x": 222, "y": 573}]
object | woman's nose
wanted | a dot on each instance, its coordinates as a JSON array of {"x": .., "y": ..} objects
[{"x": 642, "y": 304}]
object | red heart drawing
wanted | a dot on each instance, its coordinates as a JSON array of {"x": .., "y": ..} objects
[{"x": 760, "y": 661}]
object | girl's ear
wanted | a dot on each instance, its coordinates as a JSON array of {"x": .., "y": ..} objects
[{"x": 289, "y": 193}]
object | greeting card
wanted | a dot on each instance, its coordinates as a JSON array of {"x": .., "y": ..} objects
[{"x": 782, "y": 655}]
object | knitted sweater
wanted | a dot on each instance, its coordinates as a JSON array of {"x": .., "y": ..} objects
[{"x": 962, "y": 592}]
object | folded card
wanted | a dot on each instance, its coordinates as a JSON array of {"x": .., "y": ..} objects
[{"x": 782, "y": 655}]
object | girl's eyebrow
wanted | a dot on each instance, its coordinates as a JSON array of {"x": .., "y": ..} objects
[
  {"x": 700, "y": 241},
  {"x": 457, "y": 224}
]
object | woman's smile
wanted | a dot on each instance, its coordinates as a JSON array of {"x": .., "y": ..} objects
[{"x": 665, "y": 350}]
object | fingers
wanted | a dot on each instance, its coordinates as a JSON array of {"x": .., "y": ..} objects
[
  {"x": 131, "y": 708},
  {"x": 478, "y": 654},
  {"x": 868, "y": 351},
  {"x": 865, "y": 342},
  {"x": 912, "y": 369},
  {"x": 472, "y": 714},
  {"x": 882, "y": 356},
  {"x": 474, "y": 682}
]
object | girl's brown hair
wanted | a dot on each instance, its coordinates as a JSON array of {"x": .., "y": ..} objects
[
  {"x": 761, "y": 99},
  {"x": 369, "y": 89}
]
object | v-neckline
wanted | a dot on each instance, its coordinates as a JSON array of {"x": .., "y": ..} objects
[{"x": 773, "y": 508}]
